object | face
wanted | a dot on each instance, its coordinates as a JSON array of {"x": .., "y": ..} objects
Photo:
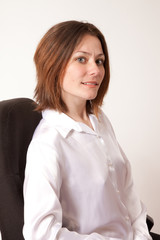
[{"x": 84, "y": 72}]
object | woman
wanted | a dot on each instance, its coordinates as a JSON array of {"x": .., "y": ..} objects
[{"x": 78, "y": 183}]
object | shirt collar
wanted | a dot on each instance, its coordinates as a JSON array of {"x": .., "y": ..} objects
[{"x": 64, "y": 124}]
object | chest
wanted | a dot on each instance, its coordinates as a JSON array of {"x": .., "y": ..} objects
[{"x": 92, "y": 160}]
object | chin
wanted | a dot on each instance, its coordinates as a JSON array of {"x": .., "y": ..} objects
[{"x": 92, "y": 97}]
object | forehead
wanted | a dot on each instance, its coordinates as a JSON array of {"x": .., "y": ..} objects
[{"x": 89, "y": 43}]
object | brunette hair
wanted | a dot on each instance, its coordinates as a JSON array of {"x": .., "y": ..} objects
[{"x": 51, "y": 58}]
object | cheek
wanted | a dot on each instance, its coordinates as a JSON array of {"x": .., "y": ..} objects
[
  {"x": 71, "y": 73},
  {"x": 68, "y": 78}
]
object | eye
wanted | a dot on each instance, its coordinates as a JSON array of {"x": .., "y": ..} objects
[
  {"x": 100, "y": 62},
  {"x": 81, "y": 59}
]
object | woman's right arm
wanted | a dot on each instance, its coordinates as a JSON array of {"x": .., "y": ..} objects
[{"x": 42, "y": 208}]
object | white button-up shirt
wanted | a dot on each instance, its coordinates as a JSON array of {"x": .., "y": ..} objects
[{"x": 78, "y": 184}]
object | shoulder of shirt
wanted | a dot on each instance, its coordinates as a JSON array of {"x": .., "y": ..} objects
[
  {"x": 46, "y": 133},
  {"x": 54, "y": 126}
]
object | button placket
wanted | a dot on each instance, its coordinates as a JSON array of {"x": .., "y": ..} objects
[
  {"x": 112, "y": 174},
  {"x": 100, "y": 139},
  {"x": 110, "y": 163},
  {"x": 110, "y": 166}
]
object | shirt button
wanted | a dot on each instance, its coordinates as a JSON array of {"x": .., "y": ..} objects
[
  {"x": 127, "y": 219},
  {"x": 100, "y": 138},
  {"x": 117, "y": 190},
  {"x": 110, "y": 164}
]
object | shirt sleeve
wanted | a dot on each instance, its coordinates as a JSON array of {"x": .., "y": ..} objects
[
  {"x": 42, "y": 208},
  {"x": 137, "y": 210}
]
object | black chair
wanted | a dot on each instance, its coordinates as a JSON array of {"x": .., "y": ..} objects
[{"x": 18, "y": 121}]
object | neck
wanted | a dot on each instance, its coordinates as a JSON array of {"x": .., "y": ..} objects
[{"x": 77, "y": 111}]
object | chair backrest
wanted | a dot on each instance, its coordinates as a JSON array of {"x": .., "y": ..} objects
[{"x": 18, "y": 121}]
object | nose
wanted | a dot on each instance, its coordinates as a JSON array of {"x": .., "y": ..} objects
[{"x": 94, "y": 69}]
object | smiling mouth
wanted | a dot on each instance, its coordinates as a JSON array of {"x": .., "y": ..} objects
[{"x": 89, "y": 83}]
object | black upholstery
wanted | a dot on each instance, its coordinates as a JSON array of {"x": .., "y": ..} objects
[
  {"x": 150, "y": 222},
  {"x": 18, "y": 121}
]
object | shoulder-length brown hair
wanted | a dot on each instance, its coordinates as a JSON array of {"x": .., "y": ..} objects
[{"x": 51, "y": 58}]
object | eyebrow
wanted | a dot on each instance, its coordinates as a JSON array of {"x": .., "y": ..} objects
[{"x": 87, "y": 53}]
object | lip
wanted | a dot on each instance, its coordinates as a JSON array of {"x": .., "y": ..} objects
[{"x": 90, "y": 83}]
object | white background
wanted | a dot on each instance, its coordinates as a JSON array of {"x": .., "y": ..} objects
[{"x": 132, "y": 31}]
